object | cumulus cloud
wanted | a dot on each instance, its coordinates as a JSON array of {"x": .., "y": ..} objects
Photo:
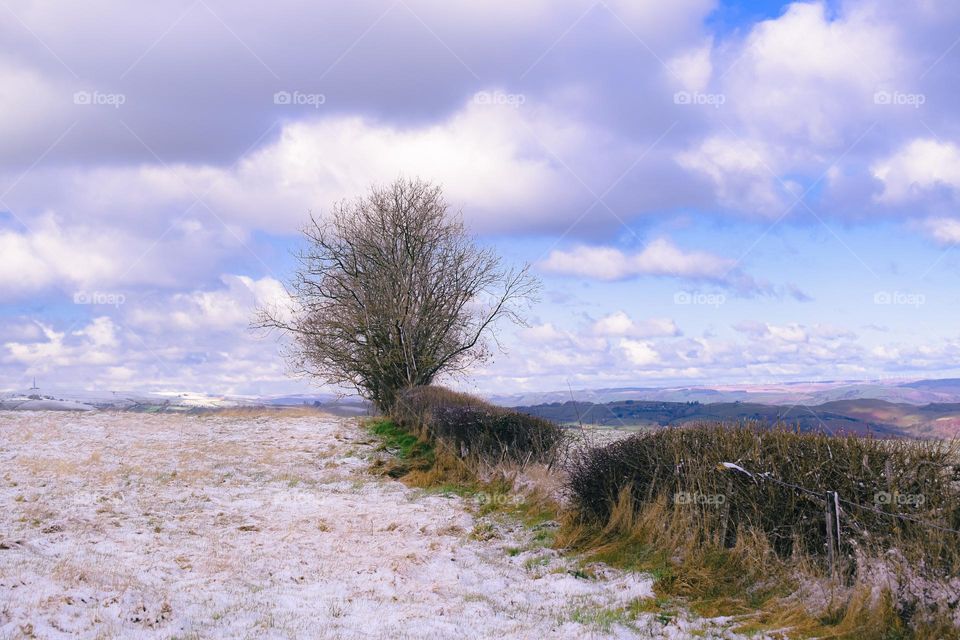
[
  {"x": 754, "y": 351},
  {"x": 36, "y": 259},
  {"x": 943, "y": 230},
  {"x": 917, "y": 168},
  {"x": 818, "y": 93},
  {"x": 693, "y": 68},
  {"x": 639, "y": 352},
  {"x": 659, "y": 258},
  {"x": 92, "y": 345},
  {"x": 741, "y": 173},
  {"x": 199, "y": 340},
  {"x": 621, "y": 324},
  {"x": 78, "y": 258},
  {"x": 232, "y": 57},
  {"x": 228, "y": 308},
  {"x": 807, "y": 76},
  {"x": 490, "y": 158},
  {"x": 487, "y": 157}
]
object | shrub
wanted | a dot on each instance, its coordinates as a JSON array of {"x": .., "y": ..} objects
[
  {"x": 650, "y": 502},
  {"x": 474, "y": 429},
  {"x": 681, "y": 468}
]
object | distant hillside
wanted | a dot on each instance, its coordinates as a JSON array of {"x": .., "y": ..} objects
[
  {"x": 919, "y": 392},
  {"x": 167, "y": 402},
  {"x": 863, "y": 417},
  {"x": 935, "y": 420}
]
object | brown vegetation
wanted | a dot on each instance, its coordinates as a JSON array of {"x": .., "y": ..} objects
[{"x": 755, "y": 543}]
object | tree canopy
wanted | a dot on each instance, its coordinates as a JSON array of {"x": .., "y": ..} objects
[{"x": 392, "y": 291}]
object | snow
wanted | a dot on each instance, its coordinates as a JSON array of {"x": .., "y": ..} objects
[
  {"x": 72, "y": 398},
  {"x": 156, "y": 526},
  {"x": 43, "y": 404},
  {"x": 736, "y": 467}
]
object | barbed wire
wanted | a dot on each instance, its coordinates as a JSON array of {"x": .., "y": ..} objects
[
  {"x": 902, "y": 516},
  {"x": 820, "y": 495}
]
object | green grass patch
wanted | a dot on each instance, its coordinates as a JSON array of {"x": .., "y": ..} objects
[
  {"x": 631, "y": 555},
  {"x": 410, "y": 453},
  {"x": 603, "y": 619},
  {"x": 536, "y": 562},
  {"x": 402, "y": 444}
]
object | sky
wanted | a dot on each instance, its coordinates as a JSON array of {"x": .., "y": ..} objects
[{"x": 711, "y": 192}]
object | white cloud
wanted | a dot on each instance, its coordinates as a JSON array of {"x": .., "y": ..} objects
[
  {"x": 659, "y": 258},
  {"x": 742, "y": 173},
  {"x": 693, "y": 68},
  {"x": 93, "y": 345},
  {"x": 486, "y": 157},
  {"x": 799, "y": 96},
  {"x": 228, "y": 308},
  {"x": 48, "y": 255},
  {"x": 943, "y": 230},
  {"x": 492, "y": 160},
  {"x": 788, "y": 333},
  {"x": 76, "y": 257},
  {"x": 545, "y": 334},
  {"x": 639, "y": 353},
  {"x": 620, "y": 324},
  {"x": 794, "y": 332},
  {"x": 32, "y": 105},
  {"x": 806, "y": 76},
  {"x": 200, "y": 340},
  {"x": 916, "y": 168},
  {"x": 101, "y": 332}
]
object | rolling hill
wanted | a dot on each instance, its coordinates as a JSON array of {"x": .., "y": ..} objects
[{"x": 879, "y": 418}]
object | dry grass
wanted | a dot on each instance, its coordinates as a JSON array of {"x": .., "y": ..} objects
[
  {"x": 298, "y": 411},
  {"x": 755, "y": 550}
]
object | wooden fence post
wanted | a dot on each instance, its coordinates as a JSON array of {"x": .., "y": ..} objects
[
  {"x": 726, "y": 515},
  {"x": 828, "y": 520},
  {"x": 839, "y": 565}
]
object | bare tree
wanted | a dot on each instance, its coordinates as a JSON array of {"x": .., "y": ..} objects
[{"x": 391, "y": 291}]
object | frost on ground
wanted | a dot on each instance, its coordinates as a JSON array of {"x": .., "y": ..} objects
[{"x": 160, "y": 526}]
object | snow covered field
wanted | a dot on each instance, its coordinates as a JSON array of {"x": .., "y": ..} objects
[{"x": 161, "y": 526}]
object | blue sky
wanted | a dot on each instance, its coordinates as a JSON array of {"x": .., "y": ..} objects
[{"x": 712, "y": 192}]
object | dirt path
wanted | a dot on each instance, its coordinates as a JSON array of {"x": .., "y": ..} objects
[{"x": 160, "y": 526}]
